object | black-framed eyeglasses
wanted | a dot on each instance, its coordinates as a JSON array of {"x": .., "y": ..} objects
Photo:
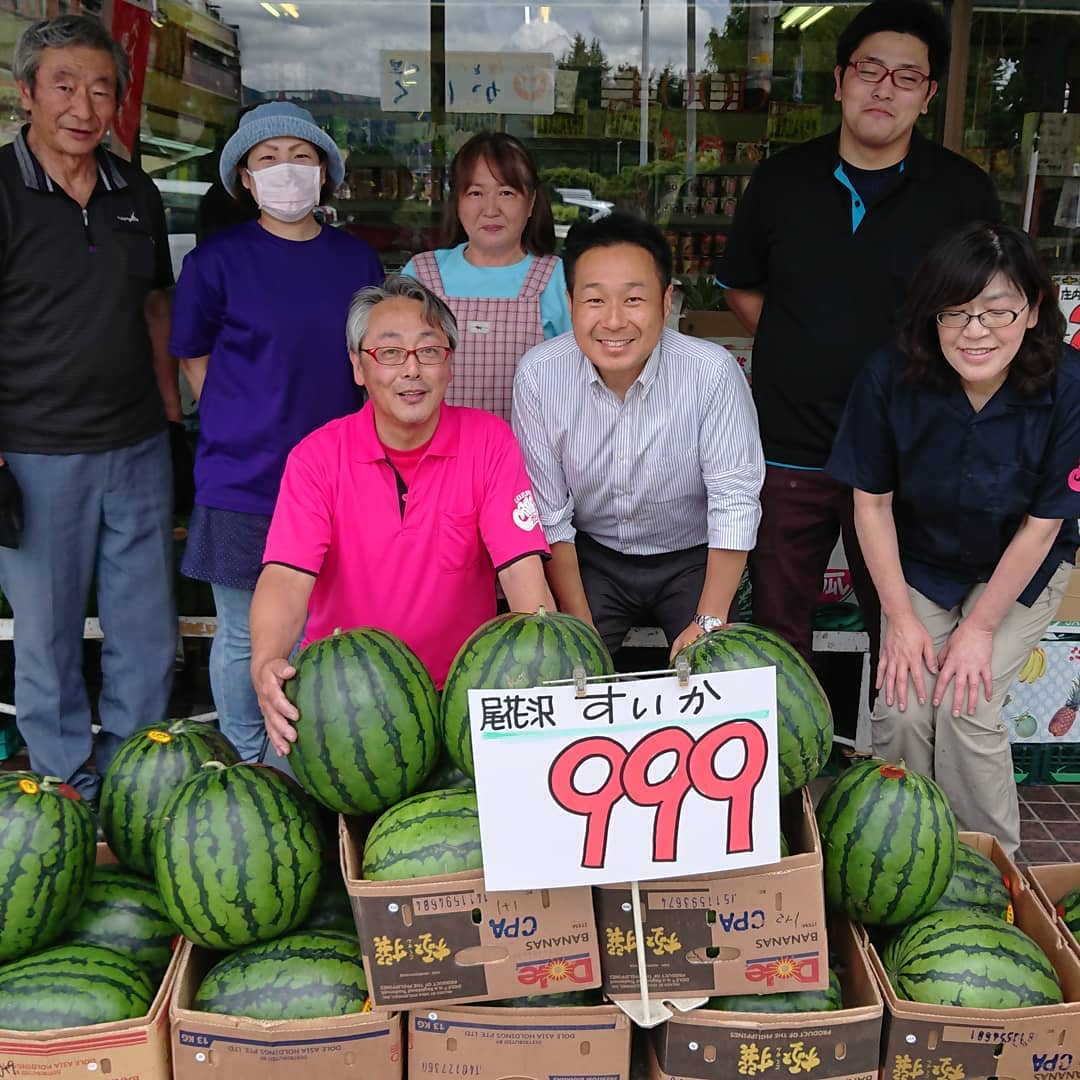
[
  {"x": 992, "y": 320},
  {"x": 871, "y": 71},
  {"x": 392, "y": 356}
]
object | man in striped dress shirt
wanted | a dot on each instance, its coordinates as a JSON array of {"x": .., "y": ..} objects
[{"x": 642, "y": 446}]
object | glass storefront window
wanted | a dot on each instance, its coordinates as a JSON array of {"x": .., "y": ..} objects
[{"x": 732, "y": 81}]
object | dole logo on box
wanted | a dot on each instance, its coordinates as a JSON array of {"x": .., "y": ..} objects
[
  {"x": 801, "y": 967},
  {"x": 574, "y": 969}
]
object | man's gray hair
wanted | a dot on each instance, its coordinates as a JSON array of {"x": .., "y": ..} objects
[
  {"x": 434, "y": 311},
  {"x": 65, "y": 32}
]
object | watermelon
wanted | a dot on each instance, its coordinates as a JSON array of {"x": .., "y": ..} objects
[
  {"x": 123, "y": 911},
  {"x": 790, "y": 1002},
  {"x": 332, "y": 909},
  {"x": 447, "y": 775},
  {"x": 304, "y": 976},
  {"x": 47, "y": 851},
  {"x": 436, "y": 832},
  {"x": 803, "y": 716},
  {"x": 367, "y": 735},
  {"x": 238, "y": 856},
  {"x": 147, "y": 769},
  {"x": 889, "y": 843},
  {"x": 512, "y": 651},
  {"x": 572, "y": 999},
  {"x": 1068, "y": 908},
  {"x": 976, "y": 885},
  {"x": 972, "y": 959},
  {"x": 72, "y": 986}
]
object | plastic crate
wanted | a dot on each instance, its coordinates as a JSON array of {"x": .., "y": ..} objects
[
  {"x": 1061, "y": 763},
  {"x": 10, "y": 739},
  {"x": 1028, "y": 762}
]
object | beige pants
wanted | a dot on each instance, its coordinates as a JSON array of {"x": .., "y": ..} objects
[{"x": 968, "y": 756}]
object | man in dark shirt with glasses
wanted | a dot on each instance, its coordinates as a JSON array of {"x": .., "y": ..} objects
[{"x": 824, "y": 244}]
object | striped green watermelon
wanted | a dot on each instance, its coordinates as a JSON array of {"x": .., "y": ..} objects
[
  {"x": 790, "y": 1002},
  {"x": 1068, "y": 907},
  {"x": 572, "y": 999},
  {"x": 804, "y": 724},
  {"x": 972, "y": 959},
  {"x": 304, "y": 976},
  {"x": 510, "y": 652},
  {"x": 238, "y": 856},
  {"x": 123, "y": 911},
  {"x": 47, "y": 854},
  {"x": 447, "y": 775},
  {"x": 367, "y": 735},
  {"x": 436, "y": 832},
  {"x": 332, "y": 909},
  {"x": 147, "y": 769},
  {"x": 889, "y": 842},
  {"x": 72, "y": 986},
  {"x": 976, "y": 885}
]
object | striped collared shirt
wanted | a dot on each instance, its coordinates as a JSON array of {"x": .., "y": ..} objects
[{"x": 676, "y": 464}]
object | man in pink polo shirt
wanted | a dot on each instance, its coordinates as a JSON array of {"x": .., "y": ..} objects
[{"x": 398, "y": 516}]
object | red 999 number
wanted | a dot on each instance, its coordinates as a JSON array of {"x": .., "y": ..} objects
[{"x": 694, "y": 769}]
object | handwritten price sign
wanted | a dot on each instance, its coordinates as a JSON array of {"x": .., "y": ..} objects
[{"x": 635, "y": 780}]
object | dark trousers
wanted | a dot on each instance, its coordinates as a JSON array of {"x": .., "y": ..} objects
[
  {"x": 640, "y": 590},
  {"x": 803, "y": 512}
]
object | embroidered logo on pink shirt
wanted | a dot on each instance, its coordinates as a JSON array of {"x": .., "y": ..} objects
[{"x": 525, "y": 515}]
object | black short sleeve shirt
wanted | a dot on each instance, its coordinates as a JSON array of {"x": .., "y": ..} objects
[
  {"x": 835, "y": 274},
  {"x": 963, "y": 481},
  {"x": 76, "y": 364}
]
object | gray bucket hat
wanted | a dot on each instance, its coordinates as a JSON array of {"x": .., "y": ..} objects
[{"x": 274, "y": 119}]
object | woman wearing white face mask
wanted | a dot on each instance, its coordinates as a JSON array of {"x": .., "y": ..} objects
[{"x": 259, "y": 325}]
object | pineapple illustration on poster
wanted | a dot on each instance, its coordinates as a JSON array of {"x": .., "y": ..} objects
[{"x": 1044, "y": 699}]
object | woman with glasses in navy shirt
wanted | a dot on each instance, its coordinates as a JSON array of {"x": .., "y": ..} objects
[{"x": 963, "y": 447}]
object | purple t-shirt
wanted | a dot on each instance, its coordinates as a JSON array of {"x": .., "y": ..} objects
[{"x": 271, "y": 315}]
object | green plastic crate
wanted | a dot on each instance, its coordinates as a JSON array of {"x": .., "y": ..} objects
[
  {"x": 1028, "y": 762},
  {"x": 1061, "y": 763},
  {"x": 10, "y": 739}
]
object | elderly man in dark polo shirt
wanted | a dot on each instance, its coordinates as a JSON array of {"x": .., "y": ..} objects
[
  {"x": 85, "y": 389},
  {"x": 823, "y": 246}
]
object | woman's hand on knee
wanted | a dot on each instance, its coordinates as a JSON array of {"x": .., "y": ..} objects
[
  {"x": 905, "y": 648},
  {"x": 965, "y": 661}
]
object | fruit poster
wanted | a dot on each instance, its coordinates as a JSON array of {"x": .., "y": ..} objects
[
  {"x": 1041, "y": 705},
  {"x": 630, "y": 780}
]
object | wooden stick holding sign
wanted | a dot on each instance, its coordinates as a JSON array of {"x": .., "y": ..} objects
[{"x": 644, "y": 776}]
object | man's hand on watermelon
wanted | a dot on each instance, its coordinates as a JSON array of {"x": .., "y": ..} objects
[
  {"x": 277, "y": 711},
  {"x": 278, "y": 610}
]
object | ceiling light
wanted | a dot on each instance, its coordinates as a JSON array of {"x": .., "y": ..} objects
[
  {"x": 270, "y": 8},
  {"x": 290, "y": 10},
  {"x": 793, "y": 15},
  {"x": 814, "y": 18}
]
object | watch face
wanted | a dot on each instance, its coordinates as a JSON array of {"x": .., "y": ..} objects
[{"x": 708, "y": 623}]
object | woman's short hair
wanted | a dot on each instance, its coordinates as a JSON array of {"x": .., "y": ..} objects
[
  {"x": 953, "y": 274},
  {"x": 434, "y": 311},
  {"x": 511, "y": 164}
]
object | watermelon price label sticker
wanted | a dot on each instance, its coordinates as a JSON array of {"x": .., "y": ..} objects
[{"x": 629, "y": 780}]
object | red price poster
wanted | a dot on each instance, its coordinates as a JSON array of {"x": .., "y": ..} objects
[{"x": 634, "y": 780}]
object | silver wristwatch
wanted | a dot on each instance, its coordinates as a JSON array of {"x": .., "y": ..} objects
[{"x": 709, "y": 623}]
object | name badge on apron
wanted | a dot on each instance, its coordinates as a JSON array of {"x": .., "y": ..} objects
[{"x": 478, "y": 326}]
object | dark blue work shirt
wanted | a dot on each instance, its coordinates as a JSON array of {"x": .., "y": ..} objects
[{"x": 963, "y": 481}]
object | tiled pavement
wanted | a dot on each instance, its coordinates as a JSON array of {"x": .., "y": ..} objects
[{"x": 1049, "y": 824}]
